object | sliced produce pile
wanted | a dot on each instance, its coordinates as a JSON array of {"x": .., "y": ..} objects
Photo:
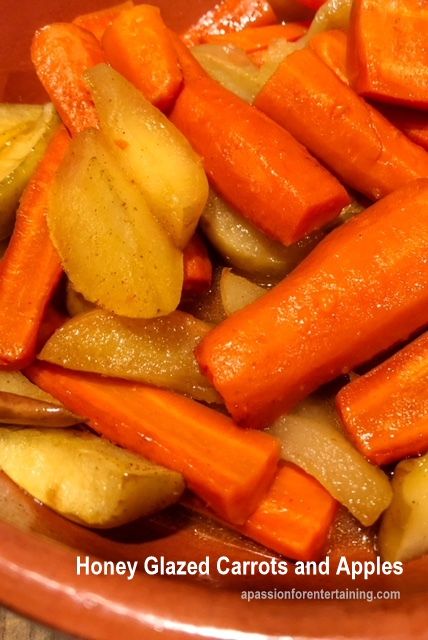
[{"x": 215, "y": 257}]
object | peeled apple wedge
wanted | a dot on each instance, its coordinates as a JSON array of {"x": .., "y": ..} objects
[
  {"x": 86, "y": 478},
  {"x": 15, "y": 382},
  {"x": 403, "y": 533},
  {"x": 112, "y": 248},
  {"x": 244, "y": 246},
  {"x": 159, "y": 352},
  {"x": 310, "y": 438},
  {"x": 25, "y": 131},
  {"x": 237, "y": 292},
  {"x": 231, "y": 67},
  {"x": 152, "y": 152}
]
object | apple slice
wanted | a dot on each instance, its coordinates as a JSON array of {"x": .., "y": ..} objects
[
  {"x": 22, "y": 145},
  {"x": 113, "y": 249},
  {"x": 152, "y": 151}
]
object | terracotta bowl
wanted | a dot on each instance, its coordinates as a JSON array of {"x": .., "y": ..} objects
[{"x": 38, "y": 549}]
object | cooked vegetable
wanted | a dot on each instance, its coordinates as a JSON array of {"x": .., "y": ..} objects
[
  {"x": 232, "y": 68},
  {"x": 158, "y": 352},
  {"x": 14, "y": 382},
  {"x": 312, "y": 4},
  {"x": 334, "y": 14},
  {"x": 254, "y": 38},
  {"x": 307, "y": 98},
  {"x": 331, "y": 47},
  {"x": 137, "y": 45},
  {"x": 61, "y": 53},
  {"x": 387, "y": 51},
  {"x": 25, "y": 131},
  {"x": 385, "y": 411},
  {"x": 295, "y": 516},
  {"x": 16, "y": 409},
  {"x": 237, "y": 292},
  {"x": 97, "y": 21},
  {"x": 256, "y": 165},
  {"x": 230, "y": 15},
  {"x": 121, "y": 258},
  {"x": 351, "y": 539},
  {"x": 361, "y": 290},
  {"x": 152, "y": 152},
  {"x": 315, "y": 444},
  {"x": 30, "y": 268},
  {"x": 197, "y": 267},
  {"x": 247, "y": 248},
  {"x": 227, "y": 467},
  {"x": 86, "y": 478},
  {"x": 75, "y": 302},
  {"x": 404, "y": 531}
]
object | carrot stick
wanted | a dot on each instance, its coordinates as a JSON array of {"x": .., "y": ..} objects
[
  {"x": 30, "y": 268},
  {"x": 385, "y": 412},
  {"x": 388, "y": 53},
  {"x": 229, "y": 468},
  {"x": 293, "y": 518},
  {"x": 339, "y": 127},
  {"x": 230, "y": 15},
  {"x": 61, "y": 53},
  {"x": 255, "y": 164},
  {"x": 331, "y": 47},
  {"x": 361, "y": 290},
  {"x": 198, "y": 270},
  {"x": 137, "y": 44},
  {"x": 98, "y": 21},
  {"x": 253, "y": 39}
]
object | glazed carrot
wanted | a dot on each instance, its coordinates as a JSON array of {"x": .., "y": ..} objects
[
  {"x": 61, "y": 53},
  {"x": 253, "y": 39},
  {"x": 198, "y": 270},
  {"x": 331, "y": 47},
  {"x": 229, "y": 468},
  {"x": 361, "y": 290},
  {"x": 30, "y": 268},
  {"x": 98, "y": 21},
  {"x": 388, "y": 53},
  {"x": 293, "y": 518},
  {"x": 385, "y": 412},
  {"x": 230, "y": 15},
  {"x": 413, "y": 123},
  {"x": 339, "y": 127},
  {"x": 255, "y": 164},
  {"x": 137, "y": 44}
]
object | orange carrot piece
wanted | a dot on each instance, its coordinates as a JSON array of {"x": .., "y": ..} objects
[
  {"x": 228, "y": 467},
  {"x": 230, "y": 15},
  {"x": 388, "y": 52},
  {"x": 331, "y": 47},
  {"x": 340, "y": 128},
  {"x": 385, "y": 412},
  {"x": 61, "y": 53},
  {"x": 30, "y": 268},
  {"x": 198, "y": 269},
  {"x": 295, "y": 516},
  {"x": 361, "y": 290},
  {"x": 98, "y": 21},
  {"x": 137, "y": 44},
  {"x": 255, "y": 164},
  {"x": 253, "y": 39}
]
